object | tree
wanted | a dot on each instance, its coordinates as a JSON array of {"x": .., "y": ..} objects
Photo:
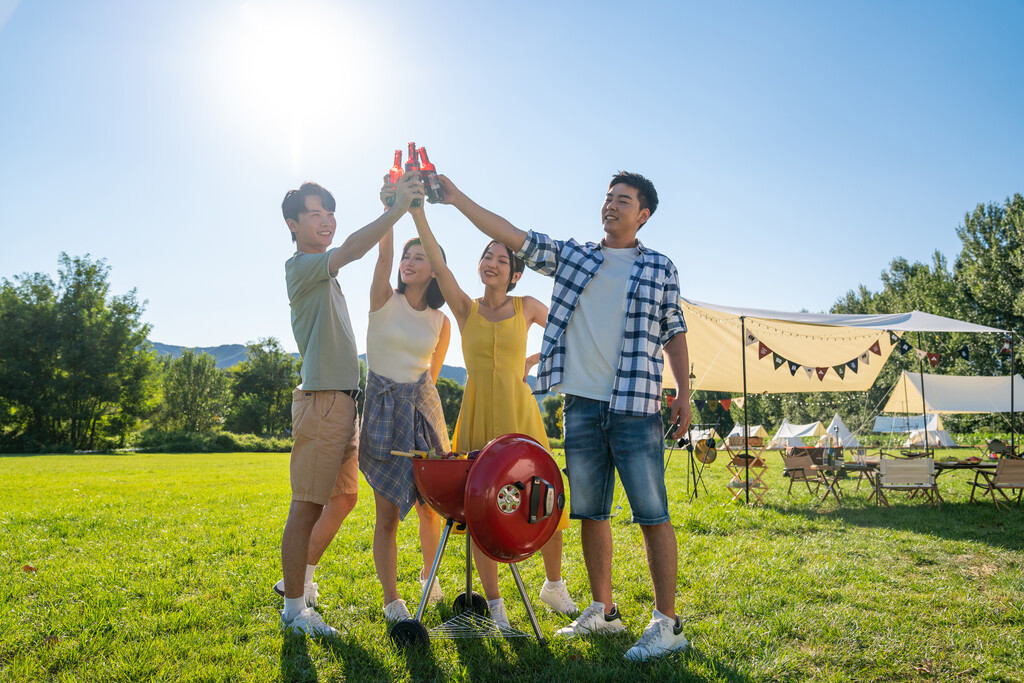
[
  {"x": 261, "y": 389},
  {"x": 450, "y": 392},
  {"x": 196, "y": 395},
  {"x": 71, "y": 358},
  {"x": 552, "y": 414}
]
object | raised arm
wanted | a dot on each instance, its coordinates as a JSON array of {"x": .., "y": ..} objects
[
  {"x": 361, "y": 241},
  {"x": 487, "y": 222},
  {"x": 458, "y": 301},
  {"x": 437, "y": 358},
  {"x": 380, "y": 287}
]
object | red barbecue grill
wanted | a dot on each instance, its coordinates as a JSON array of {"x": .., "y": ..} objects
[{"x": 510, "y": 497}]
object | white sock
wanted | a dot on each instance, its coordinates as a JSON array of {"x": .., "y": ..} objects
[
  {"x": 659, "y": 615},
  {"x": 310, "y": 568},
  {"x": 292, "y": 607},
  {"x": 551, "y": 585},
  {"x": 491, "y": 604}
]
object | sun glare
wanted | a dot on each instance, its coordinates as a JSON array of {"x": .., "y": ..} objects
[{"x": 287, "y": 74}]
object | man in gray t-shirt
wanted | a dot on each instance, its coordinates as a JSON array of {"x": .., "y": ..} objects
[{"x": 324, "y": 466}]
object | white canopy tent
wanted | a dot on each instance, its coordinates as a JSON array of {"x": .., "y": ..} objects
[
  {"x": 939, "y": 438},
  {"x": 737, "y": 430},
  {"x": 917, "y": 393},
  {"x": 904, "y": 424},
  {"x": 790, "y": 434},
  {"x": 838, "y": 434}
]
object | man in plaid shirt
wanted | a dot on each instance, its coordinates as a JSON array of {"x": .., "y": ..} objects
[{"x": 614, "y": 310}]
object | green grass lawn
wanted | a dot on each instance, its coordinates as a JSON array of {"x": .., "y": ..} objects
[{"x": 159, "y": 567}]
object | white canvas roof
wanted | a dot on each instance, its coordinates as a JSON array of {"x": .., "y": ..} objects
[
  {"x": 789, "y": 434},
  {"x": 903, "y": 424},
  {"x": 737, "y": 430},
  {"x": 836, "y": 428},
  {"x": 939, "y": 438},
  {"x": 812, "y": 342},
  {"x": 954, "y": 394}
]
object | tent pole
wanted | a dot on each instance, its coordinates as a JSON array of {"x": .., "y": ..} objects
[
  {"x": 1013, "y": 415},
  {"x": 746, "y": 423},
  {"x": 924, "y": 403}
]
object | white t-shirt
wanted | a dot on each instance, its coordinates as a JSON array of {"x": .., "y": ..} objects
[{"x": 593, "y": 339}]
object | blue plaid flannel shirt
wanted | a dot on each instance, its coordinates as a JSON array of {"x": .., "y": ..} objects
[{"x": 653, "y": 317}]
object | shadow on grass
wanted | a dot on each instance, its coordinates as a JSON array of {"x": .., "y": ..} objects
[
  {"x": 360, "y": 665},
  {"x": 958, "y": 521}
]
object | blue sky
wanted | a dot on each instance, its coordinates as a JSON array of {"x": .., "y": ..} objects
[{"x": 797, "y": 147}]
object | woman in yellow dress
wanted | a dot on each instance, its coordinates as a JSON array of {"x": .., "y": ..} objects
[{"x": 497, "y": 400}]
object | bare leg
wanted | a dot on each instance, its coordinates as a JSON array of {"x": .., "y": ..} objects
[
  {"x": 662, "y": 561},
  {"x": 552, "y": 554},
  {"x": 430, "y": 536},
  {"x": 302, "y": 517},
  {"x": 333, "y": 514},
  {"x": 487, "y": 570},
  {"x": 596, "y": 537},
  {"x": 385, "y": 546}
]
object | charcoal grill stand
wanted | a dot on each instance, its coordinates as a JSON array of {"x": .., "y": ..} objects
[{"x": 471, "y": 620}]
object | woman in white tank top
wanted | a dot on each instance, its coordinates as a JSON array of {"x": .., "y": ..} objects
[{"x": 406, "y": 342}]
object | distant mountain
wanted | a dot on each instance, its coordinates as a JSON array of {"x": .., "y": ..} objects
[{"x": 228, "y": 355}]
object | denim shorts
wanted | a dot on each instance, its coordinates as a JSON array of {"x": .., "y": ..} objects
[{"x": 598, "y": 443}]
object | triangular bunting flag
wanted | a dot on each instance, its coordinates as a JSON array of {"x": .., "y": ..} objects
[
  {"x": 713, "y": 405},
  {"x": 700, "y": 404},
  {"x": 793, "y": 367},
  {"x": 921, "y": 354},
  {"x": 876, "y": 349},
  {"x": 852, "y": 365},
  {"x": 809, "y": 371},
  {"x": 820, "y": 372},
  {"x": 893, "y": 338},
  {"x": 749, "y": 339},
  {"x": 739, "y": 402},
  {"x": 726, "y": 402},
  {"x": 840, "y": 370},
  {"x": 865, "y": 358},
  {"x": 933, "y": 358},
  {"x": 778, "y": 360},
  {"x": 964, "y": 353},
  {"x": 904, "y": 347},
  {"x": 762, "y": 350}
]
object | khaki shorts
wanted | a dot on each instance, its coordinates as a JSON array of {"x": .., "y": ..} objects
[{"x": 325, "y": 455}]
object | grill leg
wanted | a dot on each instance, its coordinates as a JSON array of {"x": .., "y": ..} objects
[
  {"x": 469, "y": 565},
  {"x": 526, "y": 602},
  {"x": 433, "y": 569}
]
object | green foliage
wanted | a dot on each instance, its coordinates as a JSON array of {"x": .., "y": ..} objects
[
  {"x": 450, "y": 392},
  {"x": 74, "y": 372},
  {"x": 196, "y": 393},
  {"x": 552, "y": 414},
  {"x": 179, "y": 441},
  {"x": 261, "y": 389}
]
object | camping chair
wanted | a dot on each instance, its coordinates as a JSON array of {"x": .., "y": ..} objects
[
  {"x": 1000, "y": 448},
  {"x": 916, "y": 475},
  {"x": 1009, "y": 474},
  {"x": 798, "y": 468}
]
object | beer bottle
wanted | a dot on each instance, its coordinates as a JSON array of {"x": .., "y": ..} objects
[
  {"x": 395, "y": 174},
  {"x": 428, "y": 174},
  {"x": 413, "y": 164}
]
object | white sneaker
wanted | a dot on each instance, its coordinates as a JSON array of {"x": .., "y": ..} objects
[
  {"x": 435, "y": 594},
  {"x": 396, "y": 610},
  {"x": 311, "y": 591},
  {"x": 661, "y": 637},
  {"x": 592, "y": 620},
  {"x": 309, "y": 622},
  {"x": 558, "y": 598},
  {"x": 498, "y": 615}
]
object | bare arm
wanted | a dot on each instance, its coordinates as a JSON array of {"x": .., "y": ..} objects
[
  {"x": 380, "y": 287},
  {"x": 361, "y": 241},
  {"x": 487, "y": 222},
  {"x": 458, "y": 301},
  {"x": 437, "y": 358},
  {"x": 678, "y": 356},
  {"x": 535, "y": 312}
]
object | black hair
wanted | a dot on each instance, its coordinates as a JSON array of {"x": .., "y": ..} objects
[
  {"x": 295, "y": 201},
  {"x": 645, "y": 192},
  {"x": 517, "y": 265},
  {"x": 435, "y": 299}
]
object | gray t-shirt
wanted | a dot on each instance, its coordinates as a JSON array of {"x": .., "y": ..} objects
[
  {"x": 321, "y": 324},
  {"x": 593, "y": 339}
]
